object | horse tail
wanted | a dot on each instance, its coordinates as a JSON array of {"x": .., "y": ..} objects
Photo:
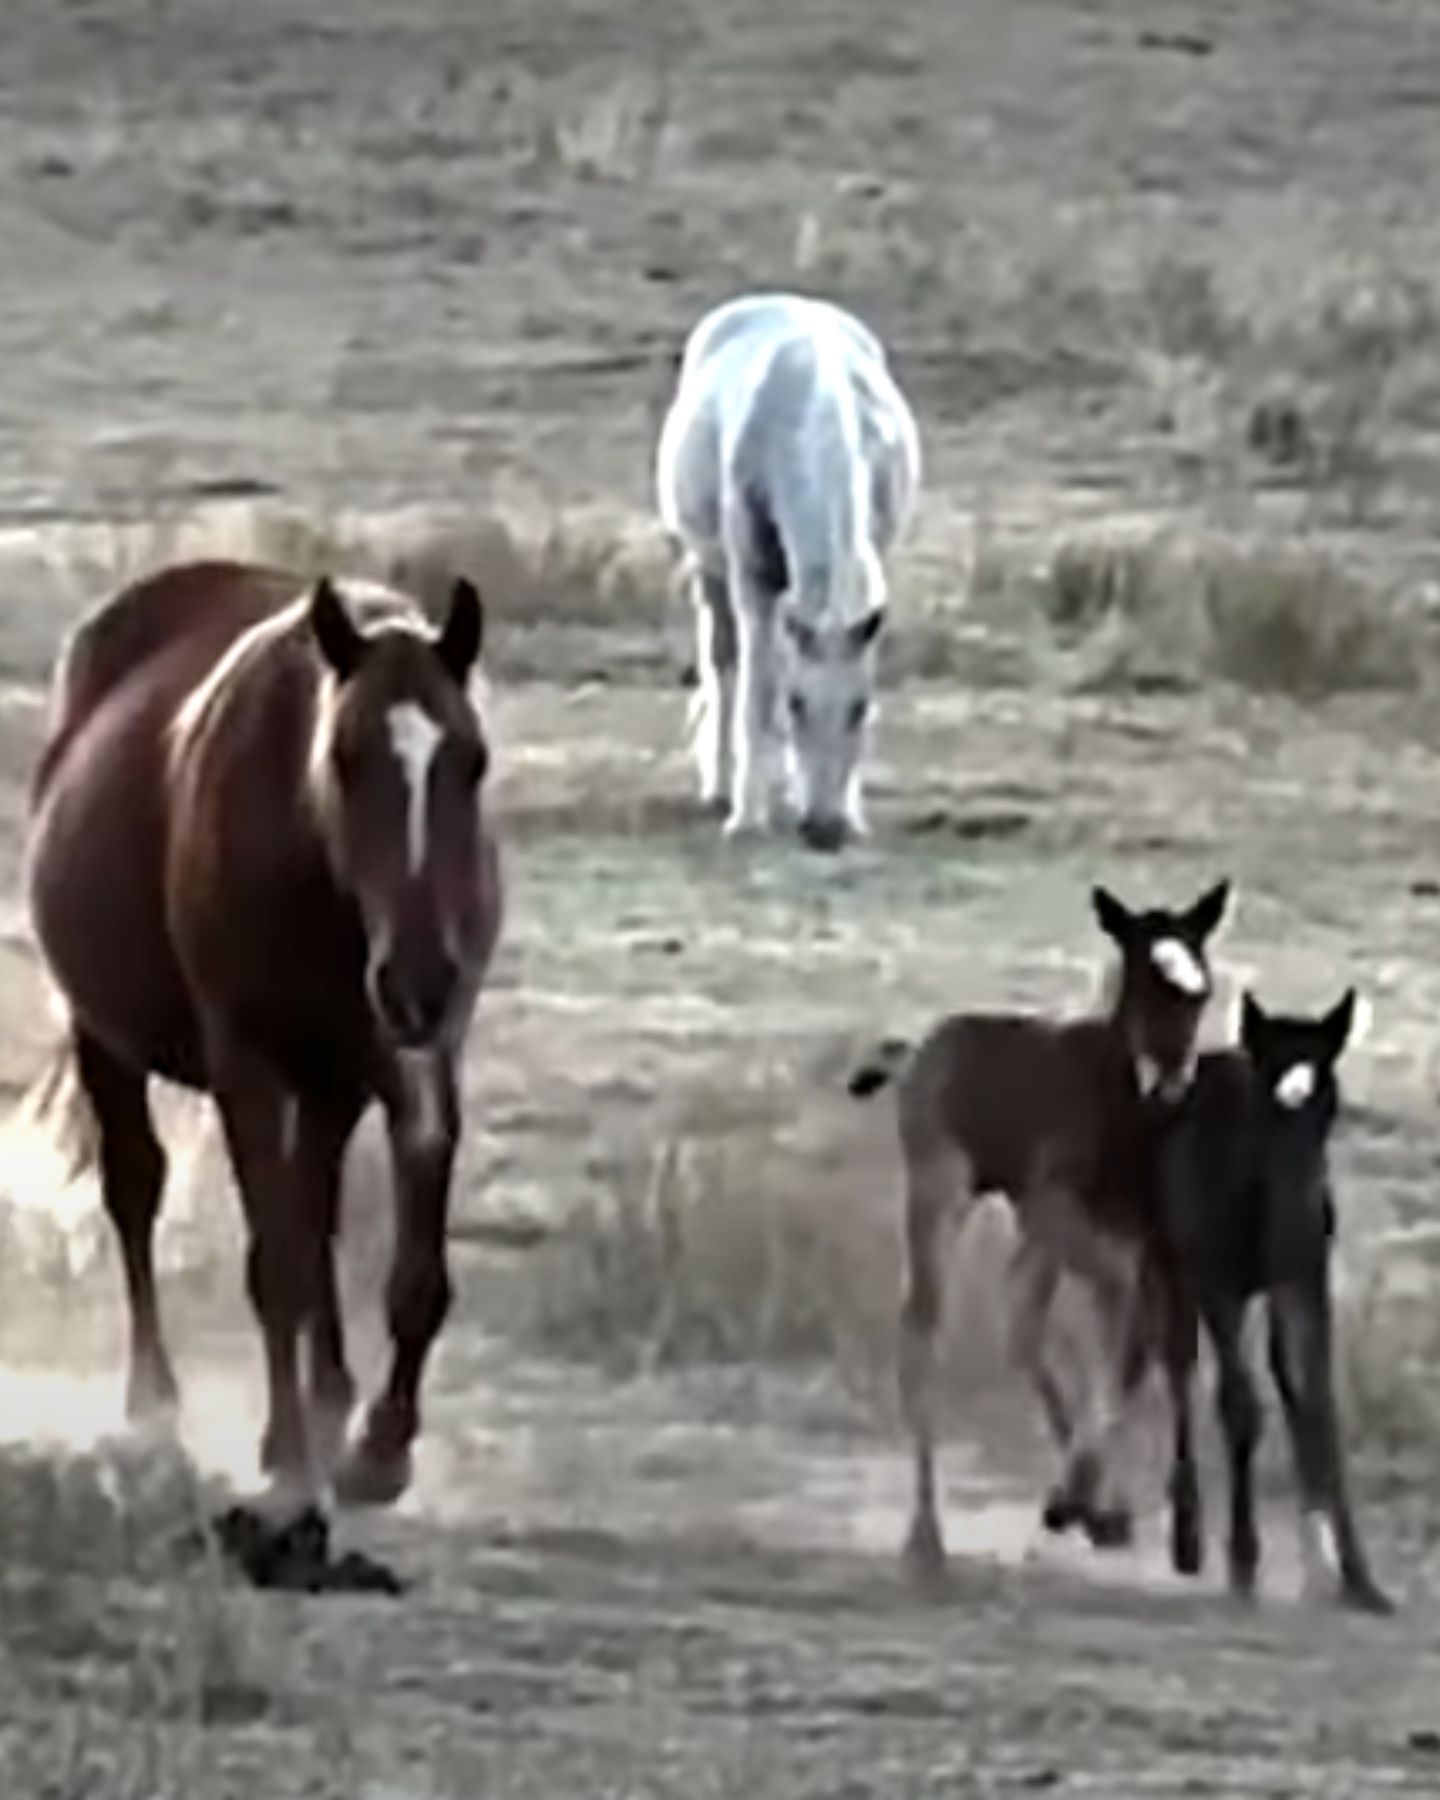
[
  {"x": 56, "y": 1108},
  {"x": 888, "y": 1059}
]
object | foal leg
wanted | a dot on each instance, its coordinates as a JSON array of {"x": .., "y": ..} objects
[
  {"x": 423, "y": 1116},
  {"x": 1300, "y": 1363},
  {"x": 938, "y": 1195},
  {"x": 1034, "y": 1275},
  {"x": 1240, "y": 1420},
  {"x": 716, "y": 652},
  {"x": 1187, "y": 1529},
  {"x": 132, "y": 1178}
]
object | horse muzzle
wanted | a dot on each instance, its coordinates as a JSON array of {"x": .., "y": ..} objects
[
  {"x": 415, "y": 1002},
  {"x": 824, "y": 831}
]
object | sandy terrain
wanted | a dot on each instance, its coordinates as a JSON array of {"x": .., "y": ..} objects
[{"x": 346, "y": 258}]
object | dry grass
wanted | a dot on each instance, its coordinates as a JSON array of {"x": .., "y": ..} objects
[{"x": 1150, "y": 609}]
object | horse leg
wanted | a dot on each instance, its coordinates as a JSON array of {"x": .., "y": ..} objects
[
  {"x": 758, "y": 752},
  {"x": 423, "y": 1116},
  {"x": 1240, "y": 1421},
  {"x": 1187, "y": 1525},
  {"x": 938, "y": 1195},
  {"x": 322, "y": 1138},
  {"x": 132, "y": 1179},
  {"x": 1033, "y": 1278},
  {"x": 262, "y": 1126},
  {"x": 1088, "y": 1492},
  {"x": 716, "y": 650},
  {"x": 1300, "y": 1364}
]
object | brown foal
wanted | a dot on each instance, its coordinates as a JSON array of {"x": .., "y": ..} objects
[{"x": 1063, "y": 1119}]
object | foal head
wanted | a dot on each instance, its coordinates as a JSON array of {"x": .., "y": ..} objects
[
  {"x": 828, "y": 678},
  {"x": 399, "y": 757},
  {"x": 1163, "y": 983},
  {"x": 1293, "y": 1062}
]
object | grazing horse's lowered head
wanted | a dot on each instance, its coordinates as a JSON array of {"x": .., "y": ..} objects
[
  {"x": 1163, "y": 983},
  {"x": 399, "y": 756},
  {"x": 827, "y": 683}
]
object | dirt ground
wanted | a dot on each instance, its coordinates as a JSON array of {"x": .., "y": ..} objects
[{"x": 347, "y": 258}]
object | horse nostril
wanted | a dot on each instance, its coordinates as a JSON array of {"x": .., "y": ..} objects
[{"x": 822, "y": 833}]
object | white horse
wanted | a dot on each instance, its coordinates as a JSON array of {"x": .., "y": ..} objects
[{"x": 787, "y": 465}]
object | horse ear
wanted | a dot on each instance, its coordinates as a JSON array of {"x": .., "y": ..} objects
[
  {"x": 864, "y": 632},
  {"x": 463, "y": 632},
  {"x": 340, "y": 639},
  {"x": 1115, "y": 918},
  {"x": 1253, "y": 1020},
  {"x": 1337, "y": 1024},
  {"x": 1208, "y": 911}
]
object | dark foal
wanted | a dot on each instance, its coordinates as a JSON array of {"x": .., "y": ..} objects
[
  {"x": 259, "y": 867},
  {"x": 1061, "y": 1117},
  {"x": 1246, "y": 1212}
]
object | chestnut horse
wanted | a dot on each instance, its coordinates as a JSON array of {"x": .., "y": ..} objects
[{"x": 259, "y": 867}]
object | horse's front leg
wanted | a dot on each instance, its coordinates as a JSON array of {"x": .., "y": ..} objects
[
  {"x": 1300, "y": 1363},
  {"x": 261, "y": 1123},
  {"x": 1179, "y": 1335},
  {"x": 1240, "y": 1420},
  {"x": 322, "y": 1137},
  {"x": 759, "y": 750},
  {"x": 423, "y": 1120},
  {"x": 716, "y": 649}
]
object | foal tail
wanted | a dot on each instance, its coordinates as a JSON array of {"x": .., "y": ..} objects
[
  {"x": 56, "y": 1110},
  {"x": 887, "y": 1060}
]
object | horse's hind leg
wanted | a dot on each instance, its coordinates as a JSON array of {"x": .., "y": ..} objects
[
  {"x": 716, "y": 656},
  {"x": 1034, "y": 1275},
  {"x": 132, "y": 1178},
  {"x": 938, "y": 1195}
]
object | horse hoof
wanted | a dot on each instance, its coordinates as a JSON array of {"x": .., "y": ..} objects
[
  {"x": 366, "y": 1478},
  {"x": 1187, "y": 1553},
  {"x": 152, "y": 1398},
  {"x": 1063, "y": 1510},
  {"x": 1365, "y": 1596},
  {"x": 329, "y": 1426},
  {"x": 923, "y": 1557},
  {"x": 1242, "y": 1585},
  {"x": 1110, "y": 1527}
]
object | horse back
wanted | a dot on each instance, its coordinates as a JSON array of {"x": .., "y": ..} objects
[
  {"x": 1031, "y": 1103},
  {"x": 164, "y": 632}
]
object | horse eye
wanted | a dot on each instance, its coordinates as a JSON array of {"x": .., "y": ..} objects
[
  {"x": 856, "y": 716},
  {"x": 477, "y": 762},
  {"x": 797, "y": 708}
]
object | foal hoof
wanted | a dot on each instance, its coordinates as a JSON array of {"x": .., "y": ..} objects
[
  {"x": 1363, "y": 1595},
  {"x": 1187, "y": 1551},
  {"x": 366, "y": 1477},
  {"x": 1110, "y": 1527}
]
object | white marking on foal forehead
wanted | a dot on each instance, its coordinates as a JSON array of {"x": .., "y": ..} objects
[
  {"x": 1180, "y": 966},
  {"x": 1296, "y": 1085},
  {"x": 414, "y": 737}
]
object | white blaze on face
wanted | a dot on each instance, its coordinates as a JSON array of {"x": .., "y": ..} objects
[
  {"x": 414, "y": 737},
  {"x": 1178, "y": 964},
  {"x": 1296, "y": 1085}
]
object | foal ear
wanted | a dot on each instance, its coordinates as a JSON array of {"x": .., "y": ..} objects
[
  {"x": 1253, "y": 1020},
  {"x": 463, "y": 632},
  {"x": 340, "y": 639},
  {"x": 1208, "y": 910},
  {"x": 1115, "y": 918},
  {"x": 1337, "y": 1025},
  {"x": 864, "y": 632}
]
